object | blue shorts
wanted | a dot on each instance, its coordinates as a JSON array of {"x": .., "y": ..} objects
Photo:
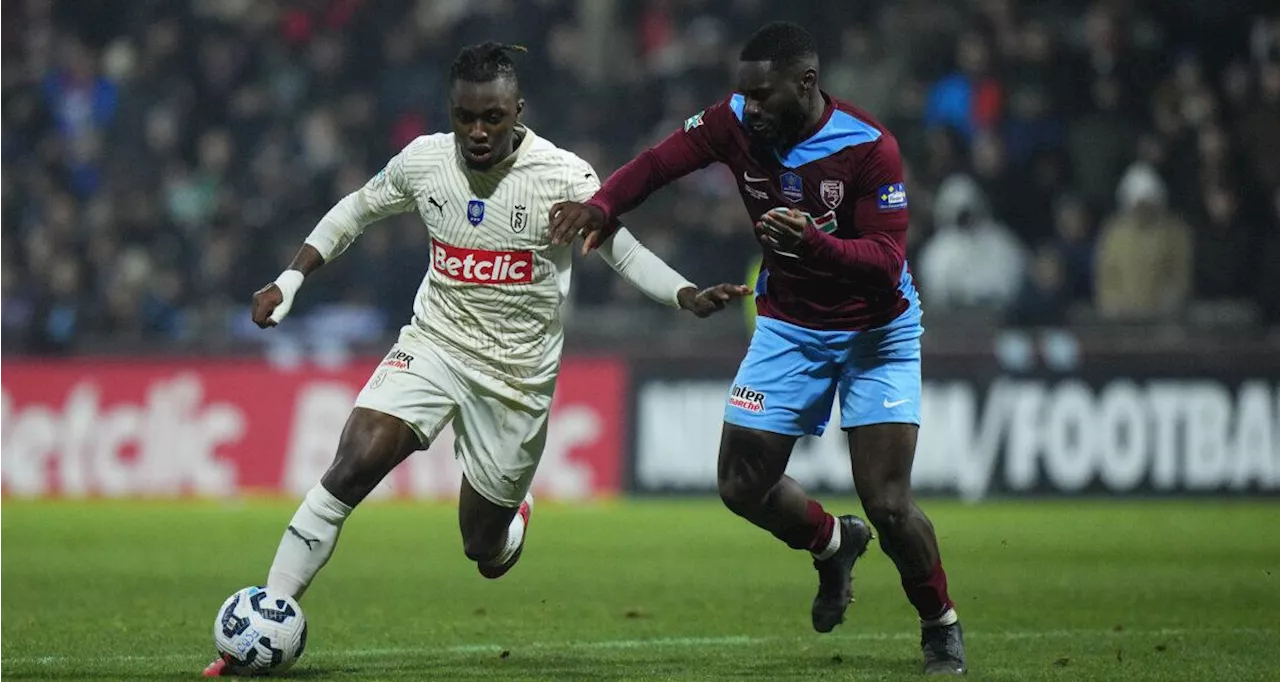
[{"x": 791, "y": 374}]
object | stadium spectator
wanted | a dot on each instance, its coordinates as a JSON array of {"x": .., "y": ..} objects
[
  {"x": 1225, "y": 262},
  {"x": 969, "y": 99},
  {"x": 1101, "y": 143},
  {"x": 1073, "y": 242},
  {"x": 973, "y": 261},
  {"x": 1144, "y": 261},
  {"x": 866, "y": 66},
  {"x": 1044, "y": 298}
]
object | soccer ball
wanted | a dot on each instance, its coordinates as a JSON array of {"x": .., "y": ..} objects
[{"x": 259, "y": 631}]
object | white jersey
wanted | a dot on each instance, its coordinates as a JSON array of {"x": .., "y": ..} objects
[{"x": 493, "y": 291}]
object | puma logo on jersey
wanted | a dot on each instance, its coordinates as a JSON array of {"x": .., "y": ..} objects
[{"x": 439, "y": 206}]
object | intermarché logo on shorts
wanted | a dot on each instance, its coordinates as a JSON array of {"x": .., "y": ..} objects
[
  {"x": 397, "y": 359},
  {"x": 479, "y": 266},
  {"x": 745, "y": 398}
]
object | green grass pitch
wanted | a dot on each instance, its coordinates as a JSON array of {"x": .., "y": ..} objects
[{"x": 649, "y": 590}]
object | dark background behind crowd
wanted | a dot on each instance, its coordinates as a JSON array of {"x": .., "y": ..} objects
[{"x": 1070, "y": 164}]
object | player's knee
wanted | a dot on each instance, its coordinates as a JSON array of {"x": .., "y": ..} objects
[
  {"x": 348, "y": 480},
  {"x": 887, "y": 510},
  {"x": 353, "y": 475},
  {"x": 739, "y": 495}
]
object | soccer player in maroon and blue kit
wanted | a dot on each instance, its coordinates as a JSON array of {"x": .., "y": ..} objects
[{"x": 838, "y": 317}]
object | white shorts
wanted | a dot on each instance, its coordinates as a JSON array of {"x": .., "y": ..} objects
[{"x": 499, "y": 433}]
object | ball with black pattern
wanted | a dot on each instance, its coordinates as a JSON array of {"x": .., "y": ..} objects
[{"x": 259, "y": 631}]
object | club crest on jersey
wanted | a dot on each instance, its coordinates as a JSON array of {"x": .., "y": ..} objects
[
  {"x": 518, "y": 219},
  {"x": 694, "y": 121},
  {"x": 475, "y": 211},
  {"x": 892, "y": 197},
  {"x": 832, "y": 192},
  {"x": 792, "y": 186}
]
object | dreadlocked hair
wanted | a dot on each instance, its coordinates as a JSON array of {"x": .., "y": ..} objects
[
  {"x": 485, "y": 62},
  {"x": 780, "y": 42}
]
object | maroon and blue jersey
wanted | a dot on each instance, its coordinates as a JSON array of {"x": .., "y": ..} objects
[{"x": 847, "y": 176}]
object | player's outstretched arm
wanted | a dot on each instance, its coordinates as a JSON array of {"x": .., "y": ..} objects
[
  {"x": 681, "y": 153},
  {"x": 659, "y": 281},
  {"x": 387, "y": 193},
  {"x": 712, "y": 299},
  {"x": 655, "y": 168}
]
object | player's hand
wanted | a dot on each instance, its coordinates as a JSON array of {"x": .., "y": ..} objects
[
  {"x": 265, "y": 302},
  {"x": 706, "y": 302},
  {"x": 569, "y": 219},
  {"x": 783, "y": 230}
]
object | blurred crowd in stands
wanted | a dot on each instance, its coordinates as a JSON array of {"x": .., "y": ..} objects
[{"x": 1067, "y": 161}]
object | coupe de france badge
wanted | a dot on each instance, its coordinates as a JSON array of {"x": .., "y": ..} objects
[
  {"x": 892, "y": 197},
  {"x": 475, "y": 211},
  {"x": 792, "y": 187}
]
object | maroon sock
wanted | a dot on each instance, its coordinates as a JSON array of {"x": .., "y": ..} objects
[
  {"x": 929, "y": 594},
  {"x": 822, "y": 524}
]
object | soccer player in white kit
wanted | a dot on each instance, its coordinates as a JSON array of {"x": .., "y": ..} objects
[{"x": 483, "y": 347}]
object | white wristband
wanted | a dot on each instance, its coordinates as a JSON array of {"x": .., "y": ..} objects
[{"x": 289, "y": 281}]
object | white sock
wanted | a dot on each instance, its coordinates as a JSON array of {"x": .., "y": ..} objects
[
  {"x": 308, "y": 542},
  {"x": 833, "y": 545},
  {"x": 948, "y": 617},
  {"x": 515, "y": 535}
]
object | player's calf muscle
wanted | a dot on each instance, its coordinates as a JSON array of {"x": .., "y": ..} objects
[
  {"x": 483, "y": 534},
  {"x": 882, "y": 456},
  {"x": 484, "y": 543},
  {"x": 483, "y": 524},
  {"x": 752, "y": 485},
  {"x": 907, "y": 537}
]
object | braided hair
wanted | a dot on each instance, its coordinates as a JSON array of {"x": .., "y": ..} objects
[{"x": 485, "y": 62}]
